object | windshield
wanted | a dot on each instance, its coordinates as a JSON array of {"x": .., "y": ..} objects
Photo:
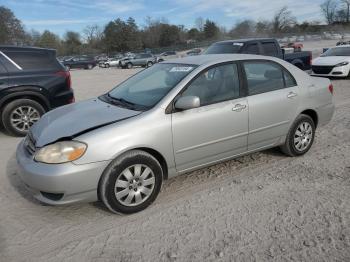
[
  {"x": 337, "y": 51},
  {"x": 145, "y": 89},
  {"x": 224, "y": 48}
]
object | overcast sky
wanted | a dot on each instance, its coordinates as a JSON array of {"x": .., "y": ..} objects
[{"x": 62, "y": 15}]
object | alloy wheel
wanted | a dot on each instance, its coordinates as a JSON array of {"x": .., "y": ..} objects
[
  {"x": 134, "y": 185},
  {"x": 303, "y": 136},
  {"x": 23, "y": 117}
]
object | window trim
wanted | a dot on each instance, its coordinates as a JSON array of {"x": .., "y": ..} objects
[
  {"x": 170, "y": 109},
  {"x": 245, "y": 79}
]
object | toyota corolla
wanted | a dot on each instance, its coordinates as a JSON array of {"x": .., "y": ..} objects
[{"x": 170, "y": 119}]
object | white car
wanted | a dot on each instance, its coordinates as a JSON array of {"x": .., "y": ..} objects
[
  {"x": 111, "y": 62},
  {"x": 335, "y": 62}
]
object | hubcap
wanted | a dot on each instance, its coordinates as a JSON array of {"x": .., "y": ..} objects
[
  {"x": 134, "y": 185},
  {"x": 23, "y": 117},
  {"x": 303, "y": 136}
]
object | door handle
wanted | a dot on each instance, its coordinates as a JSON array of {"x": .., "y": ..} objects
[
  {"x": 292, "y": 94},
  {"x": 239, "y": 108}
]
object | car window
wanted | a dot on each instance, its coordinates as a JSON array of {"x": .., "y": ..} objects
[
  {"x": 289, "y": 79},
  {"x": 2, "y": 70},
  {"x": 224, "y": 48},
  {"x": 252, "y": 49},
  {"x": 33, "y": 60},
  {"x": 217, "y": 84},
  {"x": 263, "y": 77},
  {"x": 270, "y": 48}
]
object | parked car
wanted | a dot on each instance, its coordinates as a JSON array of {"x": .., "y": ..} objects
[
  {"x": 296, "y": 46},
  {"x": 32, "y": 82},
  {"x": 110, "y": 63},
  {"x": 168, "y": 53},
  {"x": 343, "y": 43},
  {"x": 261, "y": 46},
  {"x": 83, "y": 62},
  {"x": 143, "y": 59},
  {"x": 195, "y": 51},
  {"x": 335, "y": 62},
  {"x": 170, "y": 119}
]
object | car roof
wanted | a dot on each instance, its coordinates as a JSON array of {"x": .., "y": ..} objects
[
  {"x": 348, "y": 45},
  {"x": 23, "y": 48},
  {"x": 245, "y": 40},
  {"x": 216, "y": 58}
]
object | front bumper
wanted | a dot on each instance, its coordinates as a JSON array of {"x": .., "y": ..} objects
[
  {"x": 71, "y": 182},
  {"x": 339, "y": 71}
]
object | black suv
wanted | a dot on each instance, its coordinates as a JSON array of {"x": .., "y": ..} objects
[
  {"x": 32, "y": 82},
  {"x": 84, "y": 62}
]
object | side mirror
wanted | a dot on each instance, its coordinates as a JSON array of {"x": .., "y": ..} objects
[{"x": 187, "y": 102}]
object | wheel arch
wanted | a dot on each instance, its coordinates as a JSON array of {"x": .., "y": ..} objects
[
  {"x": 37, "y": 97},
  {"x": 311, "y": 113}
]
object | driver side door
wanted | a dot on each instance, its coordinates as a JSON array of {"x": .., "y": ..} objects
[{"x": 216, "y": 130}]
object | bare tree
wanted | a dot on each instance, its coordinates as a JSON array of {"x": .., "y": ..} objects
[
  {"x": 200, "y": 23},
  {"x": 282, "y": 20},
  {"x": 347, "y": 9},
  {"x": 329, "y": 9},
  {"x": 92, "y": 34}
]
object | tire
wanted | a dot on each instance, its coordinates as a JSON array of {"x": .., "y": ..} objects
[
  {"x": 291, "y": 146},
  {"x": 68, "y": 67},
  {"x": 149, "y": 64},
  {"x": 107, "y": 65},
  {"x": 129, "y": 65},
  {"x": 13, "y": 121},
  {"x": 89, "y": 67},
  {"x": 132, "y": 185}
]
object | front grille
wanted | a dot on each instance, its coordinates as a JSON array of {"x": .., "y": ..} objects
[
  {"x": 29, "y": 143},
  {"x": 322, "y": 70}
]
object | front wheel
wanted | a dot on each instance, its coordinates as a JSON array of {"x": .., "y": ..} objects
[
  {"x": 300, "y": 136},
  {"x": 129, "y": 65},
  {"x": 131, "y": 182},
  {"x": 19, "y": 115},
  {"x": 149, "y": 64}
]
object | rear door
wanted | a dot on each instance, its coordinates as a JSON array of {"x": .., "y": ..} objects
[
  {"x": 273, "y": 99},
  {"x": 3, "y": 77},
  {"x": 218, "y": 128}
]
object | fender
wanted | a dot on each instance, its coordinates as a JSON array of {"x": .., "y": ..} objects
[{"x": 23, "y": 91}]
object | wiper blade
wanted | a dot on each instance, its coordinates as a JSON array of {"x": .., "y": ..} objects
[{"x": 125, "y": 103}]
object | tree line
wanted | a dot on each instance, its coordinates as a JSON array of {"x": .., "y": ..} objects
[{"x": 125, "y": 35}]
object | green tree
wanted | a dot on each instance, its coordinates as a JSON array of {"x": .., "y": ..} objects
[
  {"x": 49, "y": 40},
  {"x": 11, "y": 28},
  {"x": 169, "y": 35},
  {"x": 211, "y": 30},
  {"x": 72, "y": 44}
]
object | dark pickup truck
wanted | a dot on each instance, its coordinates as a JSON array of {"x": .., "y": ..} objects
[{"x": 263, "y": 46}]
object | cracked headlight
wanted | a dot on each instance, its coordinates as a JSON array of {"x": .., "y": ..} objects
[{"x": 61, "y": 152}]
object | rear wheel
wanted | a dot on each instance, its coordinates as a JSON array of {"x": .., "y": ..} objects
[
  {"x": 300, "y": 136},
  {"x": 19, "y": 115},
  {"x": 149, "y": 64},
  {"x": 131, "y": 182},
  {"x": 68, "y": 67},
  {"x": 89, "y": 66}
]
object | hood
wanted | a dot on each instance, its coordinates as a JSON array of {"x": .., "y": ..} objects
[
  {"x": 330, "y": 60},
  {"x": 77, "y": 118}
]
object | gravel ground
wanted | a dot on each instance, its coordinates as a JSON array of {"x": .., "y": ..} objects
[{"x": 261, "y": 207}]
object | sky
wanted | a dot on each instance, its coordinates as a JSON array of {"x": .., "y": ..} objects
[{"x": 62, "y": 15}]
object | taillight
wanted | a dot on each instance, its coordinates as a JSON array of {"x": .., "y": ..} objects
[
  {"x": 66, "y": 75},
  {"x": 330, "y": 88}
]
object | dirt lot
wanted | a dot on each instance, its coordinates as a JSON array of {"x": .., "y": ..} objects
[{"x": 261, "y": 207}]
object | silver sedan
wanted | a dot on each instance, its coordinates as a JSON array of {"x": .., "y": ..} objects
[{"x": 169, "y": 119}]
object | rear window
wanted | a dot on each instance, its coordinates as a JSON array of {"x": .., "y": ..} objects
[
  {"x": 252, "y": 49},
  {"x": 36, "y": 60},
  {"x": 224, "y": 48},
  {"x": 2, "y": 70},
  {"x": 270, "y": 48}
]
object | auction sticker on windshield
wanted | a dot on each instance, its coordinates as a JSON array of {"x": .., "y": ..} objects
[{"x": 181, "y": 69}]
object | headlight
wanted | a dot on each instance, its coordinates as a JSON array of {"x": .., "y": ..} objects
[
  {"x": 61, "y": 152},
  {"x": 342, "y": 64}
]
